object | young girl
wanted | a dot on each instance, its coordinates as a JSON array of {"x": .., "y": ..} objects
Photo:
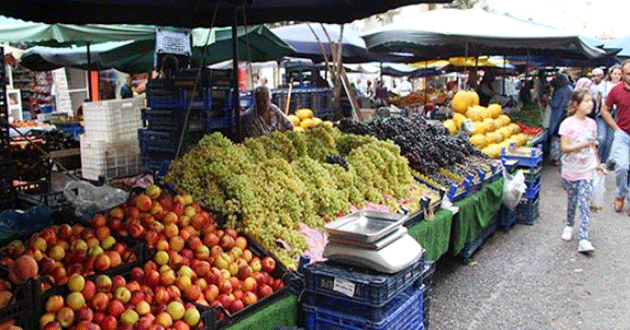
[{"x": 578, "y": 141}]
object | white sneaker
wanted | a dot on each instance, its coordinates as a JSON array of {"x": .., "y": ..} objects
[
  {"x": 567, "y": 234},
  {"x": 585, "y": 246}
]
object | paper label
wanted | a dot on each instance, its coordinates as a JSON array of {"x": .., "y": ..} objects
[{"x": 343, "y": 286}]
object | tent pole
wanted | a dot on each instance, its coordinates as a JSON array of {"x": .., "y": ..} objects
[
  {"x": 426, "y": 68},
  {"x": 236, "y": 94},
  {"x": 503, "y": 74},
  {"x": 89, "y": 60}
]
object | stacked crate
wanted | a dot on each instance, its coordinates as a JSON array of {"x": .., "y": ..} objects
[
  {"x": 528, "y": 160},
  {"x": 109, "y": 147},
  {"x": 183, "y": 108},
  {"x": 7, "y": 191},
  {"x": 337, "y": 296}
]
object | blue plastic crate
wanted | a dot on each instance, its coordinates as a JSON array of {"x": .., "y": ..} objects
[
  {"x": 405, "y": 313},
  {"x": 370, "y": 288},
  {"x": 74, "y": 129},
  {"x": 506, "y": 218},
  {"x": 163, "y": 104},
  {"x": 534, "y": 157},
  {"x": 471, "y": 247},
  {"x": 165, "y": 141},
  {"x": 202, "y": 100},
  {"x": 532, "y": 190},
  {"x": 173, "y": 119},
  {"x": 527, "y": 211},
  {"x": 246, "y": 99}
]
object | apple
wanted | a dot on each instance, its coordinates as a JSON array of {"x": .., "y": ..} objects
[
  {"x": 115, "y": 308},
  {"x": 143, "y": 203},
  {"x": 118, "y": 281},
  {"x": 143, "y": 308},
  {"x": 201, "y": 283},
  {"x": 187, "y": 253},
  {"x": 65, "y": 316},
  {"x": 211, "y": 292},
  {"x": 225, "y": 300},
  {"x": 177, "y": 243},
  {"x": 176, "y": 310},
  {"x": 268, "y": 264},
  {"x": 137, "y": 274},
  {"x": 136, "y": 231},
  {"x": 192, "y": 293},
  {"x": 211, "y": 240},
  {"x": 174, "y": 292},
  {"x": 57, "y": 252},
  {"x": 255, "y": 264},
  {"x": 277, "y": 284},
  {"x": 87, "y": 325},
  {"x": 123, "y": 294},
  {"x": 190, "y": 211},
  {"x": 89, "y": 290},
  {"x": 76, "y": 283},
  {"x": 99, "y": 317},
  {"x": 183, "y": 282},
  {"x": 197, "y": 220},
  {"x": 92, "y": 242},
  {"x": 54, "y": 325},
  {"x": 161, "y": 258},
  {"x": 166, "y": 201},
  {"x": 133, "y": 286},
  {"x": 154, "y": 191},
  {"x": 79, "y": 244},
  {"x": 40, "y": 244},
  {"x": 170, "y": 217},
  {"x": 109, "y": 323},
  {"x": 227, "y": 242},
  {"x": 225, "y": 286},
  {"x": 115, "y": 224},
  {"x": 202, "y": 268},
  {"x": 79, "y": 256},
  {"x": 236, "y": 306},
  {"x": 249, "y": 298},
  {"x": 171, "y": 230},
  {"x": 103, "y": 232},
  {"x": 102, "y": 262},
  {"x": 46, "y": 318},
  {"x": 164, "y": 319},
  {"x": 249, "y": 284},
  {"x": 180, "y": 325},
  {"x": 241, "y": 243},
  {"x": 216, "y": 250},
  {"x": 151, "y": 237},
  {"x": 192, "y": 316},
  {"x": 236, "y": 252},
  {"x": 225, "y": 274},
  {"x": 194, "y": 242},
  {"x": 95, "y": 251},
  {"x": 75, "y": 300},
  {"x": 152, "y": 278},
  {"x": 233, "y": 268},
  {"x": 129, "y": 317},
  {"x": 100, "y": 301},
  {"x": 264, "y": 290},
  {"x": 161, "y": 296},
  {"x": 108, "y": 242},
  {"x": 84, "y": 313},
  {"x": 167, "y": 277},
  {"x": 103, "y": 283},
  {"x": 54, "y": 304}
]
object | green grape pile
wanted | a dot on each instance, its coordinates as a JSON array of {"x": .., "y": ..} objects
[{"x": 266, "y": 187}]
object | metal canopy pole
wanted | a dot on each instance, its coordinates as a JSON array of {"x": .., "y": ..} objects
[{"x": 235, "y": 91}]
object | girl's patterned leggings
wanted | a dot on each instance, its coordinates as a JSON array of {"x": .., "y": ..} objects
[{"x": 580, "y": 193}]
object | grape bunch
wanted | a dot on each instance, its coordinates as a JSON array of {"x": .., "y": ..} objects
[{"x": 339, "y": 160}]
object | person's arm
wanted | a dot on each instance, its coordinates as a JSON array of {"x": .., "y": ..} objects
[
  {"x": 567, "y": 147},
  {"x": 608, "y": 116},
  {"x": 285, "y": 123}
]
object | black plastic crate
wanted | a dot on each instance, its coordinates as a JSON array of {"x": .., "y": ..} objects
[
  {"x": 527, "y": 211},
  {"x": 174, "y": 120},
  {"x": 20, "y": 308},
  {"x": 370, "y": 288},
  {"x": 166, "y": 141},
  {"x": 471, "y": 247},
  {"x": 506, "y": 218}
]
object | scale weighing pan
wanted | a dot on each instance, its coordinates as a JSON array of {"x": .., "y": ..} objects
[
  {"x": 365, "y": 226},
  {"x": 390, "y": 259},
  {"x": 383, "y": 242}
]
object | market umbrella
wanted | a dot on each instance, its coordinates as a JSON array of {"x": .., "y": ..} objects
[
  {"x": 187, "y": 13},
  {"x": 476, "y": 33},
  {"x": 623, "y": 44}
]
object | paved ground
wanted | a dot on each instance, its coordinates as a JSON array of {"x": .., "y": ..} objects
[{"x": 529, "y": 278}]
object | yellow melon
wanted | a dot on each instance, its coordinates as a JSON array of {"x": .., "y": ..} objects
[
  {"x": 474, "y": 98},
  {"x": 489, "y": 122},
  {"x": 316, "y": 121},
  {"x": 479, "y": 140},
  {"x": 480, "y": 128},
  {"x": 514, "y": 127},
  {"x": 450, "y": 124},
  {"x": 298, "y": 129},
  {"x": 498, "y": 123},
  {"x": 295, "y": 120},
  {"x": 304, "y": 113},
  {"x": 328, "y": 123},
  {"x": 495, "y": 110},
  {"x": 460, "y": 102},
  {"x": 493, "y": 150},
  {"x": 474, "y": 113},
  {"x": 307, "y": 123},
  {"x": 458, "y": 118},
  {"x": 505, "y": 120},
  {"x": 494, "y": 137},
  {"x": 506, "y": 131}
]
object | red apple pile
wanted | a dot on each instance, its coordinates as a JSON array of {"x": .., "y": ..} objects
[
  {"x": 111, "y": 303},
  {"x": 62, "y": 250},
  {"x": 210, "y": 266}
]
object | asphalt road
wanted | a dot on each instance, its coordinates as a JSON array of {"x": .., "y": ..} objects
[{"x": 529, "y": 278}]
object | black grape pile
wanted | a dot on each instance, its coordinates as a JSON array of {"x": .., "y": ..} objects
[
  {"x": 339, "y": 160},
  {"x": 427, "y": 146}
]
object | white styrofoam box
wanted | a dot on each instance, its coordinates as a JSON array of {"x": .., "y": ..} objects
[
  {"x": 109, "y": 159},
  {"x": 113, "y": 120}
]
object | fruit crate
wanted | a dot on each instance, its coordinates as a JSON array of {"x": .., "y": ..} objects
[
  {"x": 532, "y": 190},
  {"x": 162, "y": 94},
  {"x": 166, "y": 141},
  {"x": 506, "y": 218},
  {"x": 173, "y": 120},
  {"x": 527, "y": 211},
  {"x": 526, "y": 157},
  {"x": 471, "y": 247},
  {"x": 54, "y": 200},
  {"x": 113, "y": 120},
  {"x": 73, "y": 128},
  {"x": 153, "y": 164},
  {"x": 20, "y": 306},
  {"x": 427, "y": 273},
  {"x": 224, "y": 320},
  {"x": 426, "y": 306},
  {"x": 532, "y": 174},
  {"x": 109, "y": 159},
  {"x": 404, "y": 314},
  {"x": 369, "y": 287}
]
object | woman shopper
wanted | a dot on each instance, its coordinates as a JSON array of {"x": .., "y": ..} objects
[
  {"x": 605, "y": 132},
  {"x": 578, "y": 140},
  {"x": 558, "y": 104}
]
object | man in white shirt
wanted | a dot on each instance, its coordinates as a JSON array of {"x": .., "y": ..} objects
[
  {"x": 405, "y": 87},
  {"x": 597, "y": 88}
]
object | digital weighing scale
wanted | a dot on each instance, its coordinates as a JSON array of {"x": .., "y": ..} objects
[{"x": 375, "y": 240}]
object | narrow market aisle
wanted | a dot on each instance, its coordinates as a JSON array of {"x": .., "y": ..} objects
[{"x": 529, "y": 278}]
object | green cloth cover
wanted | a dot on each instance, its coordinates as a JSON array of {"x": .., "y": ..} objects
[
  {"x": 475, "y": 213},
  {"x": 282, "y": 312},
  {"x": 434, "y": 235}
]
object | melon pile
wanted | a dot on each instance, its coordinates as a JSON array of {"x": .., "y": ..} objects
[
  {"x": 493, "y": 130},
  {"x": 304, "y": 119}
]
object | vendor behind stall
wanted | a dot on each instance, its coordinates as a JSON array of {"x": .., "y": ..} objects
[{"x": 264, "y": 117}]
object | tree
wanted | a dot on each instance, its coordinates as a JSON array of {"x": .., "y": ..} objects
[{"x": 468, "y": 4}]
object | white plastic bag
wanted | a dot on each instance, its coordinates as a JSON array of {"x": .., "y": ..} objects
[
  {"x": 547, "y": 116},
  {"x": 599, "y": 188},
  {"x": 88, "y": 198},
  {"x": 513, "y": 189}
]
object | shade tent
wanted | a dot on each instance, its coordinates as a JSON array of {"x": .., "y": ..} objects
[
  {"x": 475, "y": 32},
  {"x": 187, "y": 13},
  {"x": 623, "y": 44},
  {"x": 256, "y": 43}
]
